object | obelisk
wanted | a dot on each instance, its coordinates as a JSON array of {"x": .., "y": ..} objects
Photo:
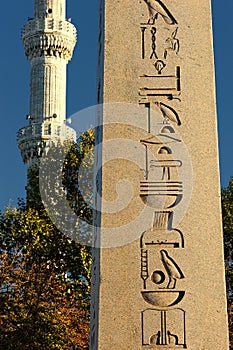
[{"x": 158, "y": 268}]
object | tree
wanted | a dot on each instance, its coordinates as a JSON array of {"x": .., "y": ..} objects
[
  {"x": 45, "y": 276},
  {"x": 39, "y": 311},
  {"x": 227, "y": 216}
]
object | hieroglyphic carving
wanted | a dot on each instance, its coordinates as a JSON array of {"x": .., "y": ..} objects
[
  {"x": 143, "y": 41},
  {"x": 157, "y": 265},
  {"x": 160, "y": 83},
  {"x": 153, "y": 46},
  {"x": 149, "y": 36},
  {"x": 161, "y": 188},
  {"x": 154, "y": 87},
  {"x": 173, "y": 270},
  {"x": 173, "y": 44},
  {"x": 157, "y": 7},
  {"x": 144, "y": 266},
  {"x": 169, "y": 113},
  {"x": 170, "y": 191},
  {"x": 159, "y": 66},
  {"x": 164, "y": 328},
  {"x": 166, "y": 166},
  {"x": 159, "y": 270}
]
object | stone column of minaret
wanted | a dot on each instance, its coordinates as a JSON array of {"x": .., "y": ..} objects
[{"x": 49, "y": 39}]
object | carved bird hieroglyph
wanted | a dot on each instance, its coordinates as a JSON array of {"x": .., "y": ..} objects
[
  {"x": 156, "y": 7},
  {"x": 173, "y": 270},
  {"x": 169, "y": 113}
]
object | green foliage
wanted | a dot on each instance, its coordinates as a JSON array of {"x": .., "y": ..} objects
[
  {"x": 227, "y": 216},
  {"x": 45, "y": 276},
  {"x": 78, "y": 178}
]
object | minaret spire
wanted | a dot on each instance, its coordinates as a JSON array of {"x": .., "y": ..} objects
[{"x": 49, "y": 40}]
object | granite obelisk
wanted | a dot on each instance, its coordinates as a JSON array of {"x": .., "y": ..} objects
[{"x": 158, "y": 270}]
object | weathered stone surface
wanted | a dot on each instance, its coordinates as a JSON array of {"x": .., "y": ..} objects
[{"x": 158, "y": 277}]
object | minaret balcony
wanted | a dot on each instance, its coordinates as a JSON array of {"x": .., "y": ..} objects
[
  {"x": 44, "y": 131},
  {"x": 36, "y": 139},
  {"x": 49, "y": 37},
  {"x": 48, "y": 25}
]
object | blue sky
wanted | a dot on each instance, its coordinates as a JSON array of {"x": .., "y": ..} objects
[{"x": 14, "y": 86}]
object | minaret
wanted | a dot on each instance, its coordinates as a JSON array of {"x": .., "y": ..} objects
[{"x": 49, "y": 39}]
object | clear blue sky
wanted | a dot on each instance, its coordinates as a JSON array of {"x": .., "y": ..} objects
[{"x": 14, "y": 86}]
